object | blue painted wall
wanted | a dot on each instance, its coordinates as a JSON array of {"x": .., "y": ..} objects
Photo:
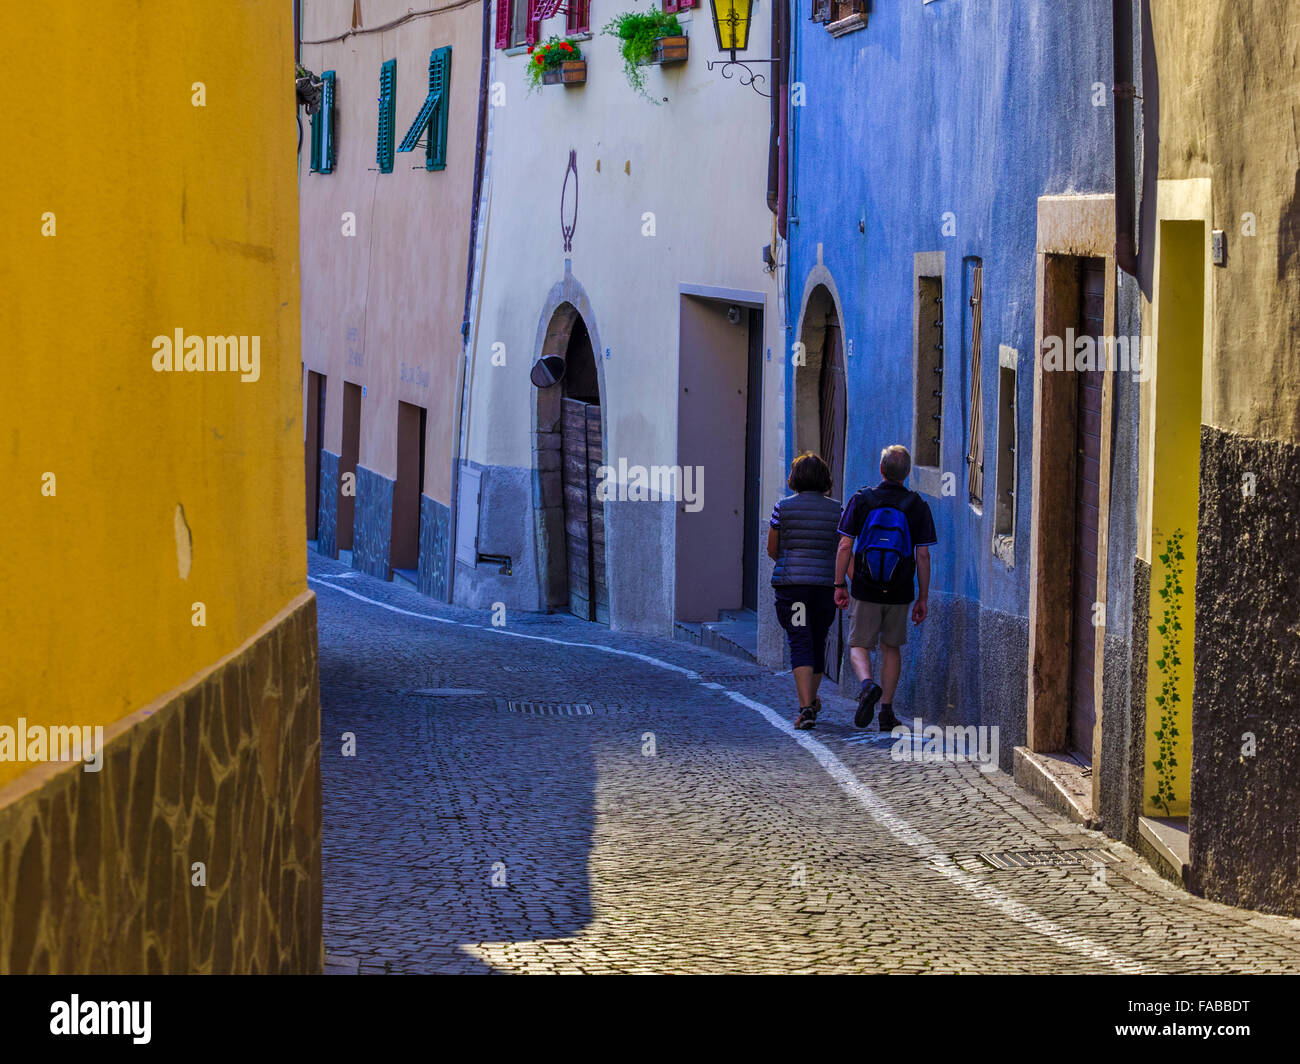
[{"x": 975, "y": 107}]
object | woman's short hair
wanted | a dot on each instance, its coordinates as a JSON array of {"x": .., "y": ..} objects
[{"x": 808, "y": 472}]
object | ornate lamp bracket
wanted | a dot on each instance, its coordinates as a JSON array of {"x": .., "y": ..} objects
[{"x": 745, "y": 75}]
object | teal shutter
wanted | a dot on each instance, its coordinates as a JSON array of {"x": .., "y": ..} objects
[
  {"x": 435, "y": 156},
  {"x": 387, "y": 103},
  {"x": 317, "y": 122},
  {"x": 322, "y": 131},
  {"x": 433, "y": 114}
]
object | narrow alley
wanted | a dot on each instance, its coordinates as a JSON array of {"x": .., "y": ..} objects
[{"x": 682, "y": 825}]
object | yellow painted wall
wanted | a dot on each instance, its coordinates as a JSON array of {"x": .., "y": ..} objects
[
  {"x": 1228, "y": 112},
  {"x": 1174, "y": 499},
  {"x": 167, "y": 216}
]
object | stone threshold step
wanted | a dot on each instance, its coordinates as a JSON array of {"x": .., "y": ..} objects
[
  {"x": 1163, "y": 841},
  {"x": 1059, "y": 781}
]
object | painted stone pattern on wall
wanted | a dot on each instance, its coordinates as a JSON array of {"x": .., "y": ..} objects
[
  {"x": 96, "y": 868},
  {"x": 327, "y": 522},
  {"x": 435, "y": 548},
  {"x": 1138, "y": 697},
  {"x": 1246, "y": 698},
  {"x": 373, "y": 530}
]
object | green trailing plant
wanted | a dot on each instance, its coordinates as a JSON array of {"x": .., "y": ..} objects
[
  {"x": 638, "y": 31},
  {"x": 1169, "y": 630},
  {"x": 548, "y": 56}
]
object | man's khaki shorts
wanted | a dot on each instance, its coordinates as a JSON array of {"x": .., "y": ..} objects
[{"x": 869, "y": 621}]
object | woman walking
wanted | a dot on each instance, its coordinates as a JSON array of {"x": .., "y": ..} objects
[{"x": 802, "y": 541}]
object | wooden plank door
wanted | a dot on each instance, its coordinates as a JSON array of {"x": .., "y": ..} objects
[
  {"x": 598, "y": 588},
  {"x": 833, "y": 406},
  {"x": 1087, "y": 477},
  {"x": 577, "y": 505}
]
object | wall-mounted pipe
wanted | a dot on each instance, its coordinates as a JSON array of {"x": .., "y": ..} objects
[{"x": 1125, "y": 93}]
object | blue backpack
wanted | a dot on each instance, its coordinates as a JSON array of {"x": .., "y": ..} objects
[{"x": 884, "y": 542}]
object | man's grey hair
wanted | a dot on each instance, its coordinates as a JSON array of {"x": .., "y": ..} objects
[{"x": 895, "y": 462}]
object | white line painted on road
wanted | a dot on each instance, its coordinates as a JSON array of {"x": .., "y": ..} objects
[
  {"x": 885, "y": 816},
  {"x": 687, "y": 673},
  {"x": 879, "y": 810},
  {"x": 383, "y": 605}
]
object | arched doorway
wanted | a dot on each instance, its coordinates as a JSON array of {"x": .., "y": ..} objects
[
  {"x": 821, "y": 411},
  {"x": 570, "y": 454}
]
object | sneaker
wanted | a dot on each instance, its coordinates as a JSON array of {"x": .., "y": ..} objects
[
  {"x": 888, "y": 722},
  {"x": 807, "y": 718},
  {"x": 868, "y": 695}
]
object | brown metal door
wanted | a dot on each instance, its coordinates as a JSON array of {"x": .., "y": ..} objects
[
  {"x": 1087, "y": 477},
  {"x": 833, "y": 403}
]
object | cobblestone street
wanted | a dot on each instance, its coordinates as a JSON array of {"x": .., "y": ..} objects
[{"x": 683, "y": 825}]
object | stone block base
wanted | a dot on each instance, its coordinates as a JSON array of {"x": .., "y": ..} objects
[{"x": 98, "y": 869}]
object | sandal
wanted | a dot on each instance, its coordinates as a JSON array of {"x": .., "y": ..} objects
[{"x": 807, "y": 716}]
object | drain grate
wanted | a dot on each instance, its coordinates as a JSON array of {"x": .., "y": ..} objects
[
  {"x": 1019, "y": 860},
  {"x": 551, "y": 709}
]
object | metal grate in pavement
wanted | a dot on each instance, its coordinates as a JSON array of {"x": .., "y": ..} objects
[
  {"x": 1021, "y": 860},
  {"x": 551, "y": 709}
]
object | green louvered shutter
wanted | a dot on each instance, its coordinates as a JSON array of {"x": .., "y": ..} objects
[
  {"x": 322, "y": 150},
  {"x": 439, "y": 86},
  {"x": 387, "y": 101},
  {"x": 317, "y": 129},
  {"x": 432, "y": 117}
]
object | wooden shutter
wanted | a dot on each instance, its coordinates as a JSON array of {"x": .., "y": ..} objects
[
  {"x": 325, "y": 162},
  {"x": 435, "y": 156},
  {"x": 317, "y": 129},
  {"x": 387, "y": 100},
  {"x": 432, "y": 117},
  {"x": 503, "y": 22},
  {"x": 975, "y": 453},
  {"x": 533, "y": 22}
]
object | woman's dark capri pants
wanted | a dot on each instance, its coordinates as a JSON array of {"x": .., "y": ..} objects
[{"x": 807, "y": 640}]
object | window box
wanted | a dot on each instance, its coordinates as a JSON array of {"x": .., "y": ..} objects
[
  {"x": 647, "y": 38},
  {"x": 847, "y": 25},
  {"x": 670, "y": 50},
  {"x": 570, "y": 72},
  {"x": 558, "y": 61},
  {"x": 840, "y": 16}
]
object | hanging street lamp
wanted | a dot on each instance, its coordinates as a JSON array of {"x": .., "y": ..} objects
[{"x": 731, "y": 22}]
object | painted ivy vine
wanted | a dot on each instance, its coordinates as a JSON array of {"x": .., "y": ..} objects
[{"x": 1170, "y": 630}]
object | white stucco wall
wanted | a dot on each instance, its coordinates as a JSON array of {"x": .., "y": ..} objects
[{"x": 698, "y": 162}]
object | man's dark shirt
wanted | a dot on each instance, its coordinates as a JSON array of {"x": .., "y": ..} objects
[{"x": 920, "y": 525}]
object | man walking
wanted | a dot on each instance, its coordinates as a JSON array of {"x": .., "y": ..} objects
[{"x": 885, "y": 537}]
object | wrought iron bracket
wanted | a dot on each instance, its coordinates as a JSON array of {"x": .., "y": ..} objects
[{"x": 745, "y": 76}]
